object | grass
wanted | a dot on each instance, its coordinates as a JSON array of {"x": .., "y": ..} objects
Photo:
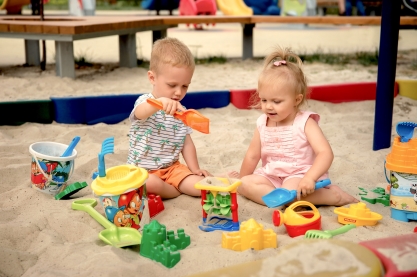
[
  {"x": 83, "y": 60},
  {"x": 100, "y": 5},
  {"x": 362, "y": 58},
  {"x": 211, "y": 59}
]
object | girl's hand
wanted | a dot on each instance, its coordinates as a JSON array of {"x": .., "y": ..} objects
[
  {"x": 305, "y": 187},
  {"x": 170, "y": 106},
  {"x": 202, "y": 172}
]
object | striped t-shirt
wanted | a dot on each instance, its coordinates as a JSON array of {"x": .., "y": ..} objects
[{"x": 157, "y": 141}]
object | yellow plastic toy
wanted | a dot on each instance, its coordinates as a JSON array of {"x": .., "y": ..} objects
[
  {"x": 120, "y": 179},
  {"x": 214, "y": 202},
  {"x": 251, "y": 235},
  {"x": 357, "y": 214},
  {"x": 121, "y": 191},
  {"x": 298, "y": 223}
]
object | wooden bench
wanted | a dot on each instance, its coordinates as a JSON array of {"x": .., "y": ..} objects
[{"x": 65, "y": 30}]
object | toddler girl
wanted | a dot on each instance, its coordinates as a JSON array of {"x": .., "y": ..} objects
[{"x": 294, "y": 151}]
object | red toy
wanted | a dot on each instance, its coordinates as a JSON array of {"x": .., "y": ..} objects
[
  {"x": 155, "y": 205},
  {"x": 298, "y": 223},
  {"x": 397, "y": 254},
  {"x": 197, "y": 7}
]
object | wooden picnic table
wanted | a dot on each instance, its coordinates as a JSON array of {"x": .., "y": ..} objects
[{"x": 64, "y": 30}]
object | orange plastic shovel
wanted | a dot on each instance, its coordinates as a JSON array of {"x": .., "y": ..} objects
[{"x": 190, "y": 117}]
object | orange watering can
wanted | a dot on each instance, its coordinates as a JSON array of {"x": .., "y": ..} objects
[{"x": 190, "y": 117}]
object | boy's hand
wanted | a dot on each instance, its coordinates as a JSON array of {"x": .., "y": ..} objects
[
  {"x": 305, "y": 187},
  {"x": 170, "y": 106},
  {"x": 202, "y": 172}
]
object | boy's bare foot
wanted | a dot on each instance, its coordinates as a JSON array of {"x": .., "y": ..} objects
[{"x": 345, "y": 198}]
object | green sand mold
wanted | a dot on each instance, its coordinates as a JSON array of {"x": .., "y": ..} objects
[
  {"x": 162, "y": 246},
  {"x": 70, "y": 190},
  {"x": 380, "y": 196}
]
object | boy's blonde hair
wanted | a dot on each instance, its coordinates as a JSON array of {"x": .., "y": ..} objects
[
  {"x": 170, "y": 51},
  {"x": 288, "y": 69}
]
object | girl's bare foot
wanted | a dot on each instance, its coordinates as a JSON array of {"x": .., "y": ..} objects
[{"x": 344, "y": 197}]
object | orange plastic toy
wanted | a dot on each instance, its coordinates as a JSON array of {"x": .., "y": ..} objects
[
  {"x": 402, "y": 164},
  {"x": 298, "y": 223},
  {"x": 190, "y": 117}
]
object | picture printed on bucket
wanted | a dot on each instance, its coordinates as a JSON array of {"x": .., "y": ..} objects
[
  {"x": 403, "y": 191},
  {"x": 126, "y": 210},
  {"x": 48, "y": 175}
]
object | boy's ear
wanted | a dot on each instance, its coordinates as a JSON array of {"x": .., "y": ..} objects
[{"x": 151, "y": 77}]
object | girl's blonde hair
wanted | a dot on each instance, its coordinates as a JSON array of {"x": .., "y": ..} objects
[
  {"x": 282, "y": 64},
  {"x": 170, "y": 51}
]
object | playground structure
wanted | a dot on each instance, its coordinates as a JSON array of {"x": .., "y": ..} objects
[
  {"x": 235, "y": 7},
  {"x": 218, "y": 196},
  {"x": 160, "y": 5},
  {"x": 198, "y": 7},
  {"x": 263, "y": 7},
  {"x": 294, "y": 8},
  {"x": 14, "y": 6}
]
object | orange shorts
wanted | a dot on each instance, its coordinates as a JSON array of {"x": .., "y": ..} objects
[{"x": 172, "y": 175}]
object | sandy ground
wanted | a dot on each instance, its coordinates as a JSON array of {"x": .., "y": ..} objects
[{"x": 40, "y": 236}]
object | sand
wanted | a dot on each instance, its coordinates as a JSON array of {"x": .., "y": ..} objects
[{"x": 40, "y": 236}]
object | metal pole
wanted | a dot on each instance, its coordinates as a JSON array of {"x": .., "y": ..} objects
[
  {"x": 387, "y": 63},
  {"x": 43, "y": 62}
]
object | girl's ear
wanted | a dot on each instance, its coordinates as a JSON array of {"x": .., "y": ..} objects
[
  {"x": 298, "y": 99},
  {"x": 151, "y": 77}
]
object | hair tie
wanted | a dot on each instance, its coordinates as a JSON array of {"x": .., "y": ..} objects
[{"x": 278, "y": 63}]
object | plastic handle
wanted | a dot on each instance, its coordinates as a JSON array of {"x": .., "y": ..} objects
[
  {"x": 87, "y": 205},
  {"x": 303, "y": 203},
  {"x": 342, "y": 230},
  {"x": 101, "y": 165},
  {"x": 158, "y": 104},
  {"x": 71, "y": 146},
  {"x": 322, "y": 183},
  {"x": 155, "y": 103}
]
